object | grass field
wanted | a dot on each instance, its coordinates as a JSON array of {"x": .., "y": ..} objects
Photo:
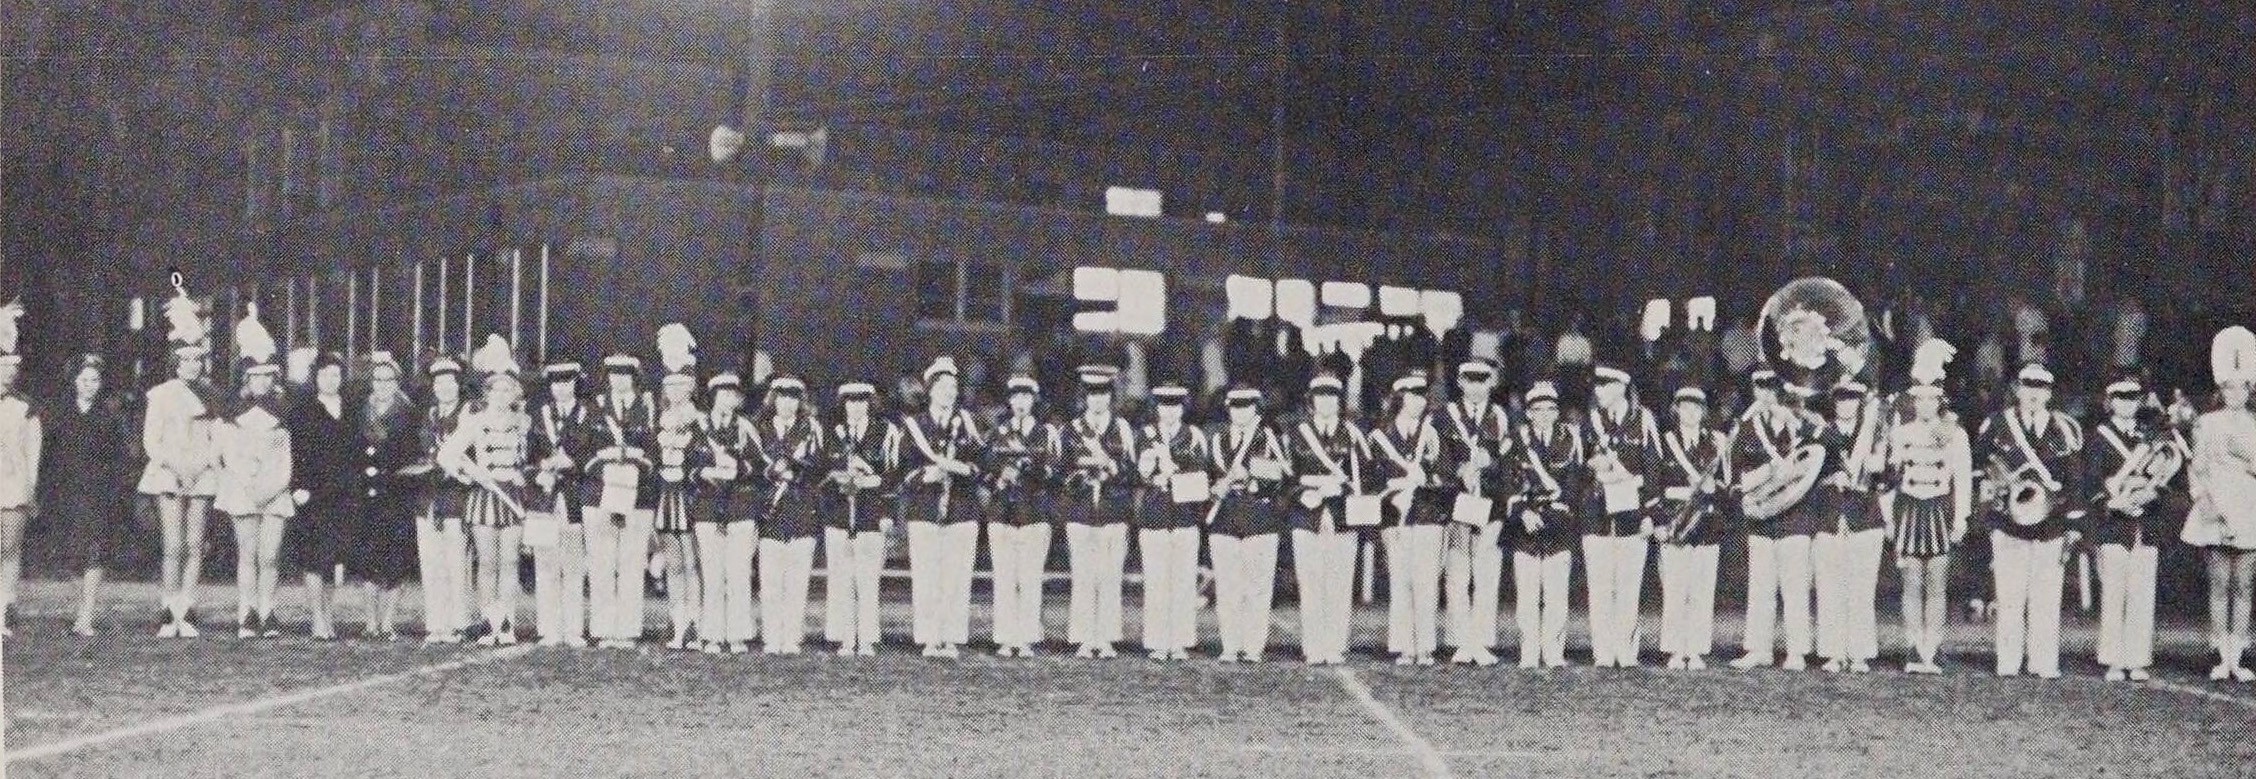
[{"x": 126, "y": 704}]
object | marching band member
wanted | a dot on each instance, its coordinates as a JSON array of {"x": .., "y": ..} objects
[
  {"x": 618, "y": 496},
  {"x": 1097, "y": 451},
  {"x": 1543, "y": 527},
  {"x": 941, "y": 505},
  {"x": 1409, "y": 453},
  {"x": 488, "y": 451},
  {"x": 254, "y": 483},
  {"x": 2033, "y": 444},
  {"x": 325, "y": 471},
  {"x": 2128, "y": 504},
  {"x": 20, "y": 440},
  {"x": 181, "y": 476},
  {"x": 1846, "y": 554},
  {"x": 439, "y": 543},
  {"x": 384, "y": 544},
  {"x": 790, "y": 442},
  {"x": 1931, "y": 462},
  {"x": 1020, "y": 477},
  {"x": 1691, "y": 477},
  {"x": 1475, "y": 442},
  {"x": 681, "y": 457},
  {"x": 1332, "y": 460},
  {"x": 1174, "y": 462},
  {"x": 864, "y": 458},
  {"x": 85, "y": 449},
  {"x": 1248, "y": 472},
  {"x": 2223, "y": 521},
  {"x": 564, "y": 436},
  {"x": 726, "y": 517},
  {"x": 1778, "y": 550},
  {"x": 1624, "y": 458}
]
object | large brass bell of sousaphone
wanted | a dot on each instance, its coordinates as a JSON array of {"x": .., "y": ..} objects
[{"x": 1814, "y": 335}]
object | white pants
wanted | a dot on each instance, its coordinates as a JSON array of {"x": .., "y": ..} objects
[
  {"x": 785, "y": 567},
  {"x": 1099, "y": 556},
  {"x": 1413, "y": 588},
  {"x": 2029, "y": 575},
  {"x": 1324, "y": 565},
  {"x": 560, "y": 585},
  {"x": 725, "y": 554},
  {"x": 1847, "y": 571},
  {"x": 1688, "y": 586},
  {"x": 1541, "y": 599},
  {"x": 854, "y": 562},
  {"x": 1472, "y": 584},
  {"x": 1245, "y": 582},
  {"x": 1020, "y": 556},
  {"x": 2126, "y": 606},
  {"x": 616, "y": 553},
  {"x": 1778, "y": 572},
  {"x": 445, "y": 566},
  {"x": 1170, "y": 566},
  {"x": 1614, "y": 569},
  {"x": 940, "y": 559}
]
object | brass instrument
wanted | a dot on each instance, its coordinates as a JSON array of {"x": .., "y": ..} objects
[
  {"x": 1776, "y": 486},
  {"x": 2139, "y": 482},
  {"x": 2022, "y": 494}
]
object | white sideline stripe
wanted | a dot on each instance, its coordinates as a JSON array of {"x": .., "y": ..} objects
[
  {"x": 2197, "y": 692},
  {"x": 252, "y": 707},
  {"x": 1428, "y": 757}
]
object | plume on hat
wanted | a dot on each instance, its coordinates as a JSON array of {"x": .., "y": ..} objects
[
  {"x": 186, "y": 319},
  {"x": 494, "y": 356},
  {"x": 677, "y": 349},
  {"x": 2232, "y": 355},
  {"x": 8, "y": 316},
  {"x": 252, "y": 341},
  {"x": 1927, "y": 362}
]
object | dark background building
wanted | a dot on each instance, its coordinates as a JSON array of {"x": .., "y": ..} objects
[{"x": 1557, "y": 157}]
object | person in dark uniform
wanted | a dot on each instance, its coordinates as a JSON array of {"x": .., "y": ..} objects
[
  {"x": 1097, "y": 455},
  {"x": 940, "y": 502},
  {"x": 1332, "y": 461},
  {"x": 1406, "y": 454},
  {"x": 1174, "y": 463},
  {"x": 727, "y": 514},
  {"x": 83, "y": 476},
  {"x": 2130, "y": 512},
  {"x": 325, "y": 473},
  {"x": 618, "y": 498},
  {"x": 1692, "y": 521},
  {"x": 1248, "y": 472},
  {"x": 1022, "y": 476},
  {"x": 1543, "y": 527},
  {"x": 863, "y": 462},
  {"x": 1623, "y": 464},
  {"x": 1778, "y": 548},
  {"x": 2035, "y": 446},
  {"x": 1845, "y": 556},
  {"x": 442, "y": 549},
  {"x": 564, "y": 437},
  {"x": 383, "y": 551},
  {"x": 1476, "y": 442},
  {"x": 789, "y": 444}
]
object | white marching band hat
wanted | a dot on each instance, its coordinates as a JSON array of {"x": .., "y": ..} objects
[
  {"x": 942, "y": 365},
  {"x": 856, "y": 390},
  {"x": 1243, "y": 396},
  {"x": 1542, "y": 392},
  {"x": 1477, "y": 370},
  {"x": 1170, "y": 394},
  {"x": 2232, "y": 356},
  {"x": 1411, "y": 383},
  {"x": 1608, "y": 373},
  {"x": 561, "y": 371},
  {"x": 1692, "y": 395},
  {"x": 725, "y": 380},
  {"x": 789, "y": 385},
  {"x": 622, "y": 363},
  {"x": 2126, "y": 387},
  {"x": 2035, "y": 375},
  {"x": 444, "y": 366},
  {"x": 1326, "y": 384}
]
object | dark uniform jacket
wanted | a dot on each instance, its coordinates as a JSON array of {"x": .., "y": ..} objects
[
  {"x": 877, "y": 449},
  {"x": 1693, "y": 519},
  {"x": 1022, "y": 471},
  {"x": 1635, "y": 442},
  {"x": 1343, "y": 453},
  {"x": 2104, "y": 456},
  {"x": 933, "y": 495},
  {"x": 1089, "y": 495},
  {"x": 1551, "y": 476},
  {"x": 1248, "y": 507},
  {"x": 1464, "y": 432},
  {"x": 1189, "y": 450},
  {"x": 2059, "y": 448}
]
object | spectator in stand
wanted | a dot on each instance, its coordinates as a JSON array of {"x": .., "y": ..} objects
[{"x": 1570, "y": 361}]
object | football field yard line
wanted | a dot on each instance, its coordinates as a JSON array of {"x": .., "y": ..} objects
[
  {"x": 1429, "y": 758},
  {"x": 255, "y": 706},
  {"x": 2187, "y": 689}
]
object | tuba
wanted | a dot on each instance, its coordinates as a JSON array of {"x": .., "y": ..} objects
[
  {"x": 1781, "y": 484},
  {"x": 1815, "y": 335}
]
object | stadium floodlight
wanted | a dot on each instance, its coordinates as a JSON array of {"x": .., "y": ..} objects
[
  {"x": 1130, "y": 201},
  {"x": 727, "y": 142}
]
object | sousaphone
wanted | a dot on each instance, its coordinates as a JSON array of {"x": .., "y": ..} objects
[{"x": 1815, "y": 336}]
